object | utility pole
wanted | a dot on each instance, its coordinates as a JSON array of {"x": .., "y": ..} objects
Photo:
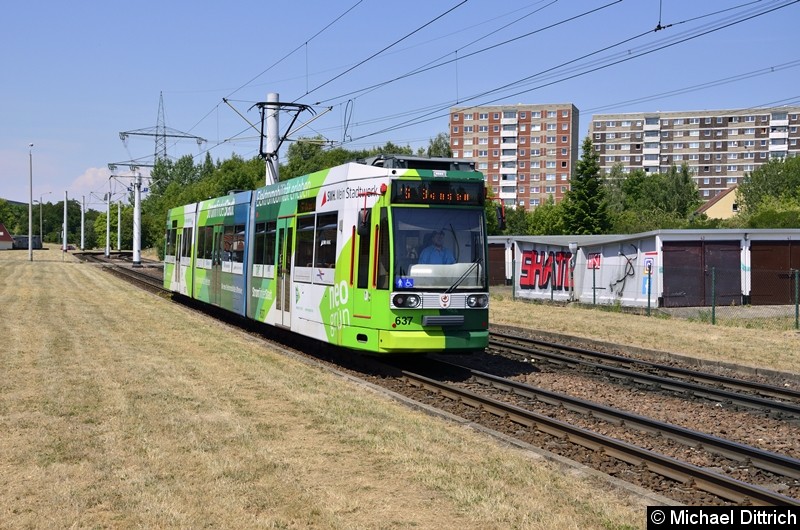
[
  {"x": 273, "y": 138},
  {"x": 137, "y": 221},
  {"x": 30, "y": 203}
]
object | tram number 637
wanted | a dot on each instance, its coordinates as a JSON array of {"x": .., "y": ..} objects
[{"x": 403, "y": 321}]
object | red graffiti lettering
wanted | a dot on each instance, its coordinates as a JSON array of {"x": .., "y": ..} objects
[{"x": 544, "y": 270}]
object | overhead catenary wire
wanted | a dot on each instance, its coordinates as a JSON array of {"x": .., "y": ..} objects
[{"x": 443, "y": 109}]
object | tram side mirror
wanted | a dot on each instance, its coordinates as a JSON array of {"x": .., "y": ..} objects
[
  {"x": 501, "y": 218},
  {"x": 363, "y": 222}
]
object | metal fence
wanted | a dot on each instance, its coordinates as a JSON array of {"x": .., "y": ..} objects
[{"x": 715, "y": 296}]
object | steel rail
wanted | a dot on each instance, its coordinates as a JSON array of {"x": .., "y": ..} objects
[
  {"x": 730, "y": 382},
  {"x": 677, "y": 385},
  {"x": 721, "y": 485},
  {"x": 766, "y": 460}
]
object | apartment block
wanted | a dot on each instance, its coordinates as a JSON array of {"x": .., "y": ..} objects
[
  {"x": 526, "y": 152},
  {"x": 720, "y": 146}
]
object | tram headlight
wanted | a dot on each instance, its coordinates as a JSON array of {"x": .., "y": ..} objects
[
  {"x": 406, "y": 300},
  {"x": 477, "y": 300}
]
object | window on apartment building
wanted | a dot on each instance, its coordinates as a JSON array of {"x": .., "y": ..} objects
[
  {"x": 536, "y": 152},
  {"x": 510, "y": 114},
  {"x": 552, "y": 114},
  {"x": 468, "y": 116},
  {"x": 455, "y": 129},
  {"x": 564, "y": 139},
  {"x": 733, "y": 168},
  {"x": 522, "y": 189},
  {"x": 733, "y": 156},
  {"x": 495, "y": 141},
  {"x": 467, "y": 154},
  {"x": 549, "y": 189},
  {"x": 550, "y": 176},
  {"x": 718, "y": 169},
  {"x": 550, "y": 139},
  {"x": 565, "y": 114},
  {"x": 694, "y": 132},
  {"x": 598, "y": 124},
  {"x": 468, "y": 141},
  {"x": 523, "y": 139},
  {"x": 534, "y": 202},
  {"x": 611, "y": 124},
  {"x": 522, "y": 176},
  {"x": 495, "y": 152},
  {"x": 483, "y": 153},
  {"x": 522, "y": 163},
  {"x": 707, "y": 121},
  {"x": 565, "y": 126},
  {"x": 455, "y": 141},
  {"x": 496, "y": 115},
  {"x": 551, "y": 126},
  {"x": 468, "y": 128},
  {"x": 694, "y": 145},
  {"x": 495, "y": 178},
  {"x": 456, "y": 117},
  {"x": 665, "y": 123}
]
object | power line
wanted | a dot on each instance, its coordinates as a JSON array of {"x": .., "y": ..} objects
[
  {"x": 401, "y": 39},
  {"x": 616, "y": 59}
]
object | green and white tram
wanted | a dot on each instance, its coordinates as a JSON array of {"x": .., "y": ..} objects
[{"x": 383, "y": 257}]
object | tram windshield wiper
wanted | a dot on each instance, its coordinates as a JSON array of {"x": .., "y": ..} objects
[{"x": 463, "y": 277}]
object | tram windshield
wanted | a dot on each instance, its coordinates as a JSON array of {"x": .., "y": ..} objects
[{"x": 439, "y": 249}]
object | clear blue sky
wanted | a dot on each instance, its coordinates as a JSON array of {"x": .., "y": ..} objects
[{"x": 76, "y": 74}]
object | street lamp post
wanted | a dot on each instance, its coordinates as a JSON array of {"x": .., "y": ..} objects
[
  {"x": 41, "y": 232},
  {"x": 30, "y": 203}
]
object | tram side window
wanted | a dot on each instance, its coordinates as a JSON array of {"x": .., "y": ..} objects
[
  {"x": 269, "y": 243},
  {"x": 383, "y": 251},
  {"x": 304, "y": 251},
  {"x": 171, "y": 236},
  {"x": 237, "y": 248},
  {"x": 325, "y": 241},
  {"x": 201, "y": 244},
  {"x": 265, "y": 244},
  {"x": 186, "y": 243},
  {"x": 233, "y": 244},
  {"x": 227, "y": 244},
  {"x": 364, "y": 245},
  {"x": 208, "y": 249}
]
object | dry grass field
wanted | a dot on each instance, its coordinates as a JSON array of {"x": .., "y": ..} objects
[{"x": 120, "y": 409}]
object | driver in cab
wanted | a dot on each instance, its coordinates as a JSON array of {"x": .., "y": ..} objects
[{"x": 436, "y": 253}]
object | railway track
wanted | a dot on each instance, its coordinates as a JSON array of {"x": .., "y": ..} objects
[
  {"x": 769, "y": 398},
  {"x": 697, "y": 477}
]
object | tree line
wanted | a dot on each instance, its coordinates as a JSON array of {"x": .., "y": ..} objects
[{"x": 596, "y": 203}]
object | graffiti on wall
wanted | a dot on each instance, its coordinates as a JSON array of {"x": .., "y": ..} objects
[{"x": 545, "y": 270}]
